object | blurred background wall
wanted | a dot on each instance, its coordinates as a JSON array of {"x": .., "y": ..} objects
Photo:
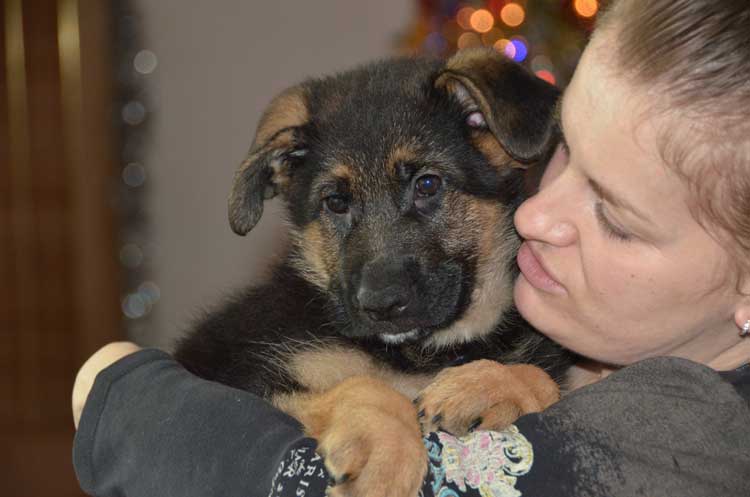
[
  {"x": 114, "y": 177},
  {"x": 121, "y": 124},
  {"x": 217, "y": 70}
]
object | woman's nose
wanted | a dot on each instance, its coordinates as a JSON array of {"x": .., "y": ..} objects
[{"x": 544, "y": 217}]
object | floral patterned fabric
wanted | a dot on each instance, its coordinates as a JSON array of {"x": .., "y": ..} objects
[
  {"x": 480, "y": 464},
  {"x": 487, "y": 463}
]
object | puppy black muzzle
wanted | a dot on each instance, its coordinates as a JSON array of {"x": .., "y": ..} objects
[{"x": 395, "y": 295}]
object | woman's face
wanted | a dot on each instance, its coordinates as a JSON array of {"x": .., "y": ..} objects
[{"x": 614, "y": 265}]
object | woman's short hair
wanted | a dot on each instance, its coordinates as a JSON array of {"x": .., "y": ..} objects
[{"x": 696, "y": 53}]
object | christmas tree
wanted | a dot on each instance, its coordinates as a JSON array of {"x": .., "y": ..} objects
[{"x": 545, "y": 35}]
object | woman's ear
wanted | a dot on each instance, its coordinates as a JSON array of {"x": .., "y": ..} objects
[
  {"x": 514, "y": 107},
  {"x": 267, "y": 169},
  {"x": 742, "y": 311}
]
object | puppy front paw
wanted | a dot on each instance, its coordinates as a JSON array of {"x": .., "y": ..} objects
[
  {"x": 369, "y": 437},
  {"x": 484, "y": 395}
]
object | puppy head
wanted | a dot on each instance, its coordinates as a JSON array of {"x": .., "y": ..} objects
[{"x": 400, "y": 178}]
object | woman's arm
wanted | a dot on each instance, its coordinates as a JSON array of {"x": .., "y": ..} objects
[
  {"x": 661, "y": 427},
  {"x": 102, "y": 359},
  {"x": 150, "y": 428}
]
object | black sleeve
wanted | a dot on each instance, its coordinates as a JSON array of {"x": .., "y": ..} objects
[
  {"x": 149, "y": 428},
  {"x": 661, "y": 427}
]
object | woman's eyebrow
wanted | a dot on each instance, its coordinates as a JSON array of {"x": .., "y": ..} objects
[
  {"x": 603, "y": 192},
  {"x": 618, "y": 201}
]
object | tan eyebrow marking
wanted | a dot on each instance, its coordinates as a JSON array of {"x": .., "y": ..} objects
[
  {"x": 400, "y": 153},
  {"x": 342, "y": 171},
  {"x": 339, "y": 176}
]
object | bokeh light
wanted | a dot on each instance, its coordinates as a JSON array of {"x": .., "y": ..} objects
[
  {"x": 468, "y": 40},
  {"x": 522, "y": 49},
  {"x": 145, "y": 62},
  {"x": 546, "y": 76},
  {"x": 463, "y": 17},
  {"x": 149, "y": 291},
  {"x": 134, "y": 113},
  {"x": 513, "y": 15},
  {"x": 134, "y": 175},
  {"x": 534, "y": 32},
  {"x": 541, "y": 63},
  {"x": 131, "y": 255},
  {"x": 586, "y": 8},
  {"x": 135, "y": 306},
  {"x": 505, "y": 47},
  {"x": 481, "y": 20}
]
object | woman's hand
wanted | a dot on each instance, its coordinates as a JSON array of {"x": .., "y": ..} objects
[{"x": 101, "y": 359}]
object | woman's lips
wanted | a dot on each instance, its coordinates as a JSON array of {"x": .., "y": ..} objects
[{"x": 534, "y": 272}]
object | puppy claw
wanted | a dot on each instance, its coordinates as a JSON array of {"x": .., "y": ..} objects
[
  {"x": 475, "y": 424},
  {"x": 484, "y": 393}
]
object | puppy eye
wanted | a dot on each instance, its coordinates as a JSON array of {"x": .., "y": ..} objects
[
  {"x": 428, "y": 185},
  {"x": 476, "y": 120},
  {"x": 338, "y": 204}
]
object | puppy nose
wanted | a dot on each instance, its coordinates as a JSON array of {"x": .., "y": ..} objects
[
  {"x": 384, "y": 304},
  {"x": 386, "y": 289}
]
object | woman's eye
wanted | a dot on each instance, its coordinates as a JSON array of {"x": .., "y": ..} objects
[
  {"x": 609, "y": 228},
  {"x": 338, "y": 204},
  {"x": 428, "y": 185}
]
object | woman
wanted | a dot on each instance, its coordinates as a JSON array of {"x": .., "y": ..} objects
[{"x": 636, "y": 255}]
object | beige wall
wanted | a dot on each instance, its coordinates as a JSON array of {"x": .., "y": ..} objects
[{"x": 219, "y": 64}]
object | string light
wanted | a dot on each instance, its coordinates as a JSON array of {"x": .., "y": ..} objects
[
  {"x": 134, "y": 113},
  {"x": 521, "y": 50},
  {"x": 135, "y": 63},
  {"x": 540, "y": 63},
  {"x": 506, "y": 47},
  {"x": 134, "y": 306},
  {"x": 145, "y": 62},
  {"x": 149, "y": 291},
  {"x": 586, "y": 8},
  {"x": 463, "y": 17},
  {"x": 134, "y": 175},
  {"x": 468, "y": 40},
  {"x": 482, "y": 21},
  {"x": 131, "y": 255},
  {"x": 546, "y": 76},
  {"x": 555, "y": 31},
  {"x": 513, "y": 15}
]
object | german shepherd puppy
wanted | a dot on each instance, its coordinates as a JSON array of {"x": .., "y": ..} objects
[{"x": 400, "y": 179}]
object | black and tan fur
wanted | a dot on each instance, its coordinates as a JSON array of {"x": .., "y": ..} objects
[{"x": 381, "y": 280}]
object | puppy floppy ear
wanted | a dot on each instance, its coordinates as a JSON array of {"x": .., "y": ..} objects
[
  {"x": 266, "y": 170},
  {"x": 503, "y": 100}
]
